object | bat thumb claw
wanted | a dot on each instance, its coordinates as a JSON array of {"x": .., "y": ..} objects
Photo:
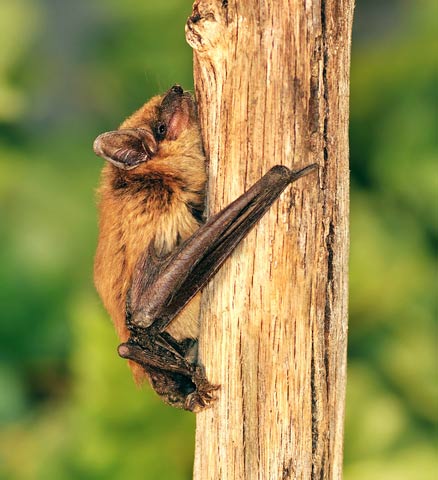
[
  {"x": 296, "y": 174},
  {"x": 124, "y": 350}
]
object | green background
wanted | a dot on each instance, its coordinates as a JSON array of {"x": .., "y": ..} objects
[{"x": 68, "y": 407}]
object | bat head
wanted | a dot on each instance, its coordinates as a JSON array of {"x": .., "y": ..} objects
[{"x": 165, "y": 124}]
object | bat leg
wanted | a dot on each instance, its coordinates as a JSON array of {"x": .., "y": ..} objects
[
  {"x": 178, "y": 382},
  {"x": 203, "y": 397},
  {"x": 155, "y": 354}
]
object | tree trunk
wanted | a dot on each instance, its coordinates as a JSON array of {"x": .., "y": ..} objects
[{"x": 272, "y": 82}]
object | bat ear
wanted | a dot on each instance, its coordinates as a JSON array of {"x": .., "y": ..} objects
[
  {"x": 126, "y": 148},
  {"x": 178, "y": 122},
  {"x": 176, "y": 110}
]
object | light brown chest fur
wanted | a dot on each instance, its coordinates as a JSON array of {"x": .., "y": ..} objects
[{"x": 135, "y": 211}]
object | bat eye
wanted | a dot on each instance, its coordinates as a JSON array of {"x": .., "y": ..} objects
[{"x": 160, "y": 131}]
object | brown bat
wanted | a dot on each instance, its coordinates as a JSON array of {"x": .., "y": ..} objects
[{"x": 155, "y": 252}]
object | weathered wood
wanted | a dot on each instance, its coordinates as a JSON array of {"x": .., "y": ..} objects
[{"x": 272, "y": 81}]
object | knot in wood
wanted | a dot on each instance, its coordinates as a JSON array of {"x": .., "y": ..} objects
[{"x": 206, "y": 27}]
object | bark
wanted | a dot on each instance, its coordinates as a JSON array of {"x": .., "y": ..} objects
[{"x": 272, "y": 82}]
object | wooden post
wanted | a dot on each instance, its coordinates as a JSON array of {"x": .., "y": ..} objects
[{"x": 272, "y": 81}]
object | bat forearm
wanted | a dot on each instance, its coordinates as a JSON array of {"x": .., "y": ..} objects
[{"x": 186, "y": 270}]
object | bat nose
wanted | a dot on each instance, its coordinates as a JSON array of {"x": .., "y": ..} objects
[{"x": 177, "y": 89}]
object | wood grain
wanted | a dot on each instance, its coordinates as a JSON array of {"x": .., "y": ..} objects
[{"x": 272, "y": 82}]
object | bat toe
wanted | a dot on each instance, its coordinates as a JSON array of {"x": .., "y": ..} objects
[{"x": 203, "y": 397}]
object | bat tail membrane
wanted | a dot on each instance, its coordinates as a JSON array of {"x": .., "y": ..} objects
[{"x": 187, "y": 269}]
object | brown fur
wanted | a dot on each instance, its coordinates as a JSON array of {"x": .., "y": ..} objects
[{"x": 155, "y": 199}]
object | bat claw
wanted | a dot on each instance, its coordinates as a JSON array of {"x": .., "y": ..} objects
[{"x": 203, "y": 397}]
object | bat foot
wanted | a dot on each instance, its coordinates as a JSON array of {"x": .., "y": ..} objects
[{"x": 203, "y": 397}]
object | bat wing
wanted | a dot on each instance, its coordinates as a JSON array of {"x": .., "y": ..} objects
[{"x": 173, "y": 280}]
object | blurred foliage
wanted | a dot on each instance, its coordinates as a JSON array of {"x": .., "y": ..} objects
[{"x": 68, "y": 408}]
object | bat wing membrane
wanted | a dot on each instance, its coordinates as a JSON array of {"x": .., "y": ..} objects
[{"x": 173, "y": 280}]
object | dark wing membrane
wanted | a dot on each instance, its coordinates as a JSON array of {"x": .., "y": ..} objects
[{"x": 175, "y": 279}]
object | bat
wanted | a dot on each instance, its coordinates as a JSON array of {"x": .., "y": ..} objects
[{"x": 155, "y": 250}]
